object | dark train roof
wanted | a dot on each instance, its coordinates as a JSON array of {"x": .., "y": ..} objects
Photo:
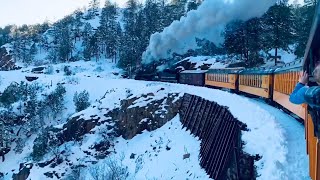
[
  {"x": 259, "y": 71},
  {"x": 292, "y": 66},
  {"x": 193, "y": 71},
  {"x": 225, "y": 70}
]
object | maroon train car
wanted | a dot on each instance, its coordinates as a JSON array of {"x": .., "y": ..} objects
[{"x": 192, "y": 77}]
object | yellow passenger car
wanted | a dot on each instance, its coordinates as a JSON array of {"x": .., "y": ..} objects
[
  {"x": 257, "y": 81},
  {"x": 223, "y": 78},
  {"x": 285, "y": 79}
]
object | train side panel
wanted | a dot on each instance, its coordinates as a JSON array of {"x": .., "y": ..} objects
[
  {"x": 192, "y": 77},
  {"x": 285, "y": 80},
  {"x": 256, "y": 83},
  {"x": 313, "y": 149},
  {"x": 223, "y": 78}
]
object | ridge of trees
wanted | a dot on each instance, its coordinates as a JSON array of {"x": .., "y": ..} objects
[{"x": 73, "y": 38}]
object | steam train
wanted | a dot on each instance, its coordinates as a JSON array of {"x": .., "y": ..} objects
[{"x": 272, "y": 84}]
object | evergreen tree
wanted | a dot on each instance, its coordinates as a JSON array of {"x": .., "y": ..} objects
[
  {"x": 108, "y": 29},
  {"x": 253, "y": 40},
  {"x": 129, "y": 52},
  {"x": 192, "y": 5},
  {"x": 65, "y": 45},
  {"x": 152, "y": 17},
  {"x": 81, "y": 100},
  {"x": 278, "y": 27},
  {"x": 55, "y": 100},
  {"x": 62, "y": 47},
  {"x": 93, "y": 10},
  {"x": 78, "y": 24},
  {"x": 94, "y": 45},
  {"x": 303, "y": 22},
  {"x": 118, "y": 41},
  {"x": 180, "y": 7},
  {"x": 31, "y": 111},
  {"x": 235, "y": 38},
  {"x": 86, "y": 35}
]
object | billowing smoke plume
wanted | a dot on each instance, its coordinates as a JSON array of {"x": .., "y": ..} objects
[{"x": 207, "y": 22}]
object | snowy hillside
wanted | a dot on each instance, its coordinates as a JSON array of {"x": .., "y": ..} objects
[{"x": 152, "y": 152}]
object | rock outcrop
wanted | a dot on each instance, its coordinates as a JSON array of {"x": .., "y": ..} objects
[
  {"x": 6, "y": 62},
  {"x": 132, "y": 119}
]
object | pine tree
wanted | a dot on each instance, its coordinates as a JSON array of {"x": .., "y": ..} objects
[
  {"x": 94, "y": 45},
  {"x": 62, "y": 47},
  {"x": 235, "y": 38},
  {"x": 303, "y": 22},
  {"x": 65, "y": 44},
  {"x": 253, "y": 40},
  {"x": 129, "y": 52},
  {"x": 31, "y": 111},
  {"x": 108, "y": 29},
  {"x": 93, "y": 9},
  {"x": 278, "y": 27},
  {"x": 180, "y": 7},
  {"x": 55, "y": 100},
  {"x": 81, "y": 100},
  {"x": 152, "y": 17},
  {"x": 86, "y": 35},
  {"x": 78, "y": 24},
  {"x": 192, "y": 5},
  {"x": 118, "y": 41}
]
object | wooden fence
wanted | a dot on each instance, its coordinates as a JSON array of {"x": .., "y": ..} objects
[{"x": 219, "y": 132}]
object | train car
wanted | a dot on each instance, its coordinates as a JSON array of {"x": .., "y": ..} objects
[
  {"x": 223, "y": 78},
  {"x": 285, "y": 80},
  {"x": 168, "y": 75},
  {"x": 312, "y": 120},
  {"x": 192, "y": 77},
  {"x": 256, "y": 81}
]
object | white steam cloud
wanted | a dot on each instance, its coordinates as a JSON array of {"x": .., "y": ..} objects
[{"x": 207, "y": 22}]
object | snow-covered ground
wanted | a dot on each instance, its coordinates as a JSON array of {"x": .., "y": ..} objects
[
  {"x": 297, "y": 165},
  {"x": 159, "y": 154},
  {"x": 278, "y": 138}
]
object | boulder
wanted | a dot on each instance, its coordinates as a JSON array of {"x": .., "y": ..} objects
[
  {"x": 38, "y": 70},
  {"x": 76, "y": 127},
  {"x": 31, "y": 78},
  {"x": 24, "y": 172}
]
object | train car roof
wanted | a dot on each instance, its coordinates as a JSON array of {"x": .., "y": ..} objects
[
  {"x": 258, "y": 71},
  {"x": 225, "y": 70},
  {"x": 193, "y": 71},
  {"x": 292, "y": 66},
  {"x": 314, "y": 37}
]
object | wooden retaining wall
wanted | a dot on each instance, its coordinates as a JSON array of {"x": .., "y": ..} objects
[{"x": 219, "y": 132}]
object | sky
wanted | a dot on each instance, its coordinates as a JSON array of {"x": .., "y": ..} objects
[{"x": 37, "y": 11}]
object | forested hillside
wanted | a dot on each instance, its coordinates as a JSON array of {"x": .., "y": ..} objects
[{"x": 122, "y": 35}]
